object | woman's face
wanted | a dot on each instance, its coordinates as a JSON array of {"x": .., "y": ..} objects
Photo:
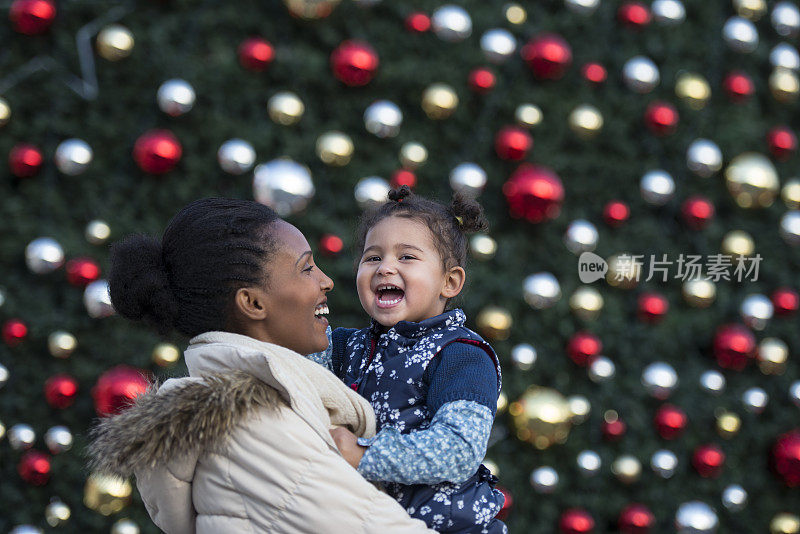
[{"x": 296, "y": 300}]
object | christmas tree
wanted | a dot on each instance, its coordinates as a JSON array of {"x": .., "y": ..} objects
[{"x": 637, "y": 162}]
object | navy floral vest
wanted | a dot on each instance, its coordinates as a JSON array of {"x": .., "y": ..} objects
[{"x": 388, "y": 370}]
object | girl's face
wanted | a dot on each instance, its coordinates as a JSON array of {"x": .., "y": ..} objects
[
  {"x": 400, "y": 275},
  {"x": 296, "y": 301}
]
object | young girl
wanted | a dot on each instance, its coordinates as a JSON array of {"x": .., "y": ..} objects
[{"x": 432, "y": 382}]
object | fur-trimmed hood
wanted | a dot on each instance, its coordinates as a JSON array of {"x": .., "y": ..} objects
[{"x": 181, "y": 418}]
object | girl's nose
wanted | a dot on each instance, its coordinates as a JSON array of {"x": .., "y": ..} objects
[{"x": 386, "y": 268}]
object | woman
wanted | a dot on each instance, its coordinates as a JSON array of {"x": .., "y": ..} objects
[{"x": 243, "y": 443}]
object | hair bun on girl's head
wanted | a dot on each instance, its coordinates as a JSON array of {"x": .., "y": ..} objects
[
  {"x": 469, "y": 214},
  {"x": 138, "y": 282},
  {"x": 397, "y": 195}
]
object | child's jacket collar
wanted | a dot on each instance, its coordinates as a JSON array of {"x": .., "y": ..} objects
[{"x": 410, "y": 331}]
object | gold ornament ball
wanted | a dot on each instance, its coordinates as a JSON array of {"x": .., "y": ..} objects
[
  {"x": 482, "y": 247},
  {"x": 785, "y": 523},
  {"x": 586, "y": 303},
  {"x": 623, "y": 271},
  {"x": 772, "y": 356},
  {"x": 752, "y": 180},
  {"x": 728, "y": 424},
  {"x": 738, "y": 243},
  {"x": 693, "y": 89},
  {"x": 791, "y": 194},
  {"x": 335, "y": 149},
  {"x": 541, "y": 417},
  {"x": 97, "y": 232},
  {"x": 413, "y": 155},
  {"x": 579, "y": 407},
  {"x": 586, "y": 121},
  {"x": 106, "y": 494},
  {"x": 311, "y": 9},
  {"x": 2, "y": 430},
  {"x": 784, "y": 85},
  {"x": 285, "y": 108},
  {"x": 494, "y": 323},
  {"x": 750, "y": 9},
  {"x": 627, "y": 469},
  {"x": 528, "y": 115},
  {"x": 699, "y": 293},
  {"x": 5, "y": 112},
  {"x": 492, "y": 466},
  {"x": 61, "y": 344},
  {"x": 502, "y": 402},
  {"x": 439, "y": 101},
  {"x": 57, "y": 513},
  {"x": 166, "y": 355},
  {"x": 515, "y": 14},
  {"x": 114, "y": 42}
]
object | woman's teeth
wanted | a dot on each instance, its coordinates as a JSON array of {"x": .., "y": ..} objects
[{"x": 320, "y": 310}]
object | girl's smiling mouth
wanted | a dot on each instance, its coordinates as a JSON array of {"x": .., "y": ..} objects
[{"x": 388, "y": 295}]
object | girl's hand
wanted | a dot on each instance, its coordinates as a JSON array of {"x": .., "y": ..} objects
[{"x": 347, "y": 444}]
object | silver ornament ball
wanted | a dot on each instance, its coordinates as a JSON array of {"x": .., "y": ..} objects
[
  {"x": 786, "y": 19},
  {"x": 97, "y": 232},
  {"x": 236, "y": 156},
  {"x": 790, "y": 227},
  {"x": 44, "y": 255},
  {"x": 695, "y": 517},
  {"x": 740, "y": 34},
  {"x": 21, "y": 437},
  {"x": 383, "y": 119},
  {"x": 482, "y": 246},
  {"x": 785, "y": 56},
  {"x": 73, "y": 156},
  {"x": 734, "y": 498},
  {"x": 57, "y": 513},
  {"x": 664, "y": 463},
  {"x": 582, "y": 7},
  {"x": 755, "y": 400},
  {"x": 284, "y": 185},
  {"x": 58, "y": 439},
  {"x": 581, "y": 236},
  {"x": 175, "y": 97},
  {"x": 660, "y": 380},
  {"x": 523, "y": 356},
  {"x": 498, "y": 45},
  {"x": 640, "y": 74},
  {"x": 125, "y": 526},
  {"x": 794, "y": 393},
  {"x": 371, "y": 192},
  {"x": 468, "y": 178},
  {"x": 4, "y": 374},
  {"x": 544, "y": 480},
  {"x": 451, "y": 23},
  {"x": 97, "y": 300},
  {"x": 704, "y": 158},
  {"x": 589, "y": 463},
  {"x": 602, "y": 369},
  {"x": 668, "y": 12},
  {"x": 541, "y": 290},
  {"x": 25, "y": 529},
  {"x": 756, "y": 311},
  {"x": 657, "y": 187},
  {"x": 712, "y": 382},
  {"x": 579, "y": 407}
]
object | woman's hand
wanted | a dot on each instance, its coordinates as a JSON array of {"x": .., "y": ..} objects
[{"x": 347, "y": 443}]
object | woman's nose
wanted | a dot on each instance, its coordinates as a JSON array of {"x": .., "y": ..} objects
[{"x": 326, "y": 284}]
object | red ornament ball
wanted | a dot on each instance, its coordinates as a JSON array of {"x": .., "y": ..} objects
[
  {"x": 60, "y": 391},
  {"x": 738, "y": 86},
  {"x": 513, "y": 143},
  {"x": 14, "y": 332},
  {"x": 331, "y": 245},
  {"x": 256, "y": 54},
  {"x": 548, "y": 56},
  {"x": 661, "y": 118},
  {"x": 34, "y": 468},
  {"x": 25, "y": 160},
  {"x": 82, "y": 271},
  {"x": 615, "y": 213},
  {"x": 786, "y": 458},
  {"x": 652, "y": 307},
  {"x": 534, "y": 193},
  {"x": 354, "y": 63},
  {"x": 402, "y": 177},
  {"x": 734, "y": 346},
  {"x": 697, "y": 212},
  {"x": 508, "y": 503},
  {"x": 782, "y": 142},
  {"x": 614, "y": 429},
  {"x": 583, "y": 348},
  {"x": 670, "y": 421},
  {"x": 418, "y": 22},
  {"x": 636, "y": 519},
  {"x": 634, "y": 15},
  {"x": 594, "y": 73},
  {"x": 32, "y": 17},
  {"x": 576, "y": 521},
  {"x": 157, "y": 151},
  {"x": 708, "y": 460},
  {"x": 785, "y": 301},
  {"x": 116, "y": 389},
  {"x": 482, "y": 80}
]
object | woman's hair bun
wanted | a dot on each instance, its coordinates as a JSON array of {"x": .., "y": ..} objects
[
  {"x": 139, "y": 284},
  {"x": 469, "y": 213},
  {"x": 397, "y": 195}
]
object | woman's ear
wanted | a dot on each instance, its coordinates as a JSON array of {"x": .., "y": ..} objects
[
  {"x": 250, "y": 302},
  {"x": 454, "y": 280}
]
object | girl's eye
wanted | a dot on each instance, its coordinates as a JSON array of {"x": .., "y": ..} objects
[
  {"x": 372, "y": 258},
  {"x": 407, "y": 257}
]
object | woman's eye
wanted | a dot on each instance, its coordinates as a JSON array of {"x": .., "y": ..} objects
[{"x": 308, "y": 269}]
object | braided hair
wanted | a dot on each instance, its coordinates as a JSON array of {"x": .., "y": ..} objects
[{"x": 186, "y": 280}]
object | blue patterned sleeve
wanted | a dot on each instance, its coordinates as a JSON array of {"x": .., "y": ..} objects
[
  {"x": 450, "y": 450},
  {"x": 324, "y": 358}
]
